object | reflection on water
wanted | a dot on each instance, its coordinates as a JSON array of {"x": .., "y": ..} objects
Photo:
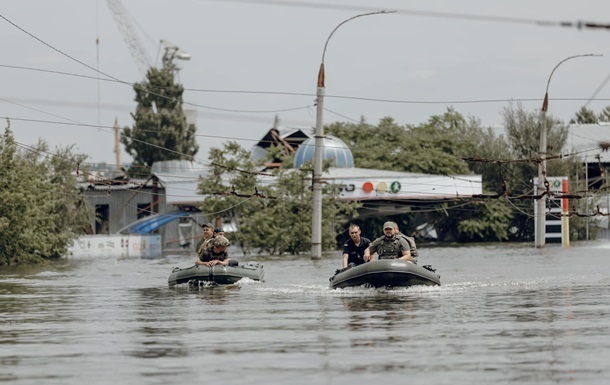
[
  {"x": 503, "y": 315},
  {"x": 393, "y": 311},
  {"x": 212, "y": 293}
]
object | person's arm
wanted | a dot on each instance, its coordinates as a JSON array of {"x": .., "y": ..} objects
[
  {"x": 224, "y": 261},
  {"x": 202, "y": 259},
  {"x": 406, "y": 251},
  {"x": 368, "y": 255},
  {"x": 369, "y": 251},
  {"x": 345, "y": 255},
  {"x": 217, "y": 262}
]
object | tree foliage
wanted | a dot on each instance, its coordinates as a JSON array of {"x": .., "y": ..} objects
[
  {"x": 522, "y": 142},
  {"x": 160, "y": 131},
  {"x": 41, "y": 211},
  {"x": 585, "y": 116},
  {"x": 434, "y": 147},
  {"x": 273, "y": 212},
  {"x": 604, "y": 116}
]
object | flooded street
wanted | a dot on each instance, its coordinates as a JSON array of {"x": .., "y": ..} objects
[{"x": 504, "y": 314}]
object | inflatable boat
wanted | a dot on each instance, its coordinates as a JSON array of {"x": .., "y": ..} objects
[
  {"x": 219, "y": 274},
  {"x": 385, "y": 273}
]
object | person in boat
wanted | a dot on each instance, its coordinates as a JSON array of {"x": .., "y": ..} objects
[
  {"x": 207, "y": 237},
  {"x": 353, "y": 248},
  {"x": 216, "y": 253},
  {"x": 410, "y": 241},
  {"x": 389, "y": 246},
  {"x": 219, "y": 231}
]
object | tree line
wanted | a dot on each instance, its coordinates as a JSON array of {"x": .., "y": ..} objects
[
  {"x": 41, "y": 212},
  {"x": 438, "y": 146}
]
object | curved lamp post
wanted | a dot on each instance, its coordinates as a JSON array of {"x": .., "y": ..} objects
[
  {"x": 541, "y": 204},
  {"x": 316, "y": 226}
]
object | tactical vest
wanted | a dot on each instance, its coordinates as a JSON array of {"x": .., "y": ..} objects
[
  {"x": 389, "y": 249},
  {"x": 204, "y": 245},
  {"x": 413, "y": 247}
]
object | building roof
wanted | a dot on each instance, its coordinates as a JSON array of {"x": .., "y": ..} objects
[
  {"x": 180, "y": 179},
  {"x": 289, "y": 138},
  {"x": 590, "y": 140},
  {"x": 333, "y": 148}
]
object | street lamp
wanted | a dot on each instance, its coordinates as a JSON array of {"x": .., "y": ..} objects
[
  {"x": 316, "y": 225},
  {"x": 541, "y": 204}
]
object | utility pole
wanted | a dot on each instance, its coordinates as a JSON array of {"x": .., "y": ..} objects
[
  {"x": 117, "y": 148},
  {"x": 541, "y": 204},
  {"x": 316, "y": 225}
]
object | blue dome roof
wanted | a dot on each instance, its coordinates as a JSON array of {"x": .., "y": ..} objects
[{"x": 334, "y": 148}]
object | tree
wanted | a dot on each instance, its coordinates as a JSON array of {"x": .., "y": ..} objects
[
  {"x": 604, "y": 116},
  {"x": 585, "y": 116},
  {"x": 523, "y": 140},
  {"x": 273, "y": 211},
  {"x": 434, "y": 147},
  {"x": 160, "y": 131},
  {"x": 41, "y": 211}
]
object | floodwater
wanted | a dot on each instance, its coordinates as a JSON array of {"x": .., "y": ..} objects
[{"x": 504, "y": 314}]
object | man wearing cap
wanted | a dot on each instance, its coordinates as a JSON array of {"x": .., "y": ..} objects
[
  {"x": 207, "y": 236},
  {"x": 389, "y": 246},
  {"x": 216, "y": 253}
]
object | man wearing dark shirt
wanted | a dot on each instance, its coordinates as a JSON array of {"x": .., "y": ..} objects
[
  {"x": 216, "y": 253},
  {"x": 353, "y": 249}
]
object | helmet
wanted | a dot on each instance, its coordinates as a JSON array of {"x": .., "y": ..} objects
[{"x": 220, "y": 241}]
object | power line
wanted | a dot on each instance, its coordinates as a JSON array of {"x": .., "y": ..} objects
[
  {"x": 149, "y": 91},
  {"x": 347, "y": 97},
  {"x": 432, "y": 14}
]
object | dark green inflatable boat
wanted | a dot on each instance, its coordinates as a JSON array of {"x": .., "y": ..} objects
[
  {"x": 219, "y": 274},
  {"x": 385, "y": 273}
]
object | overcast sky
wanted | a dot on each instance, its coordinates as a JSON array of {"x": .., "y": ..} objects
[{"x": 475, "y": 56}]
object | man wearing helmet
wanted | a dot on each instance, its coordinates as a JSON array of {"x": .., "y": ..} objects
[{"x": 216, "y": 253}]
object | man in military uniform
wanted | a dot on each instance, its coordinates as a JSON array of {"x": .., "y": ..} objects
[
  {"x": 207, "y": 237},
  {"x": 389, "y": 246},
  {"x": 410, "y": 241},
  {"x": 216, "y": 253}
]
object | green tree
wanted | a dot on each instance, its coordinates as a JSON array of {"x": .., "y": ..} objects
[
  {"x": 604, "y": 116},
  {"x": 476, "y": 221},
  {"x": 41, "y": 211},
  {"x": 434, "y": 147},
  {"x": 160, "y": 131},
  {"x": 585, "y": 116},
  {"x": 523, "y": 140},
  {"x": 273, "y": 211}
]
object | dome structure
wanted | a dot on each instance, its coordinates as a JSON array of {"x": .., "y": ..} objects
[{"x": 334, "y": 148}]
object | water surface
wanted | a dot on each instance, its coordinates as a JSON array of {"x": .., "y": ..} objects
[{"x": 504, "y": 314}]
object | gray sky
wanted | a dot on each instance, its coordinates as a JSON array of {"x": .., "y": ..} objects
[{"x": 424, "y": 53}]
